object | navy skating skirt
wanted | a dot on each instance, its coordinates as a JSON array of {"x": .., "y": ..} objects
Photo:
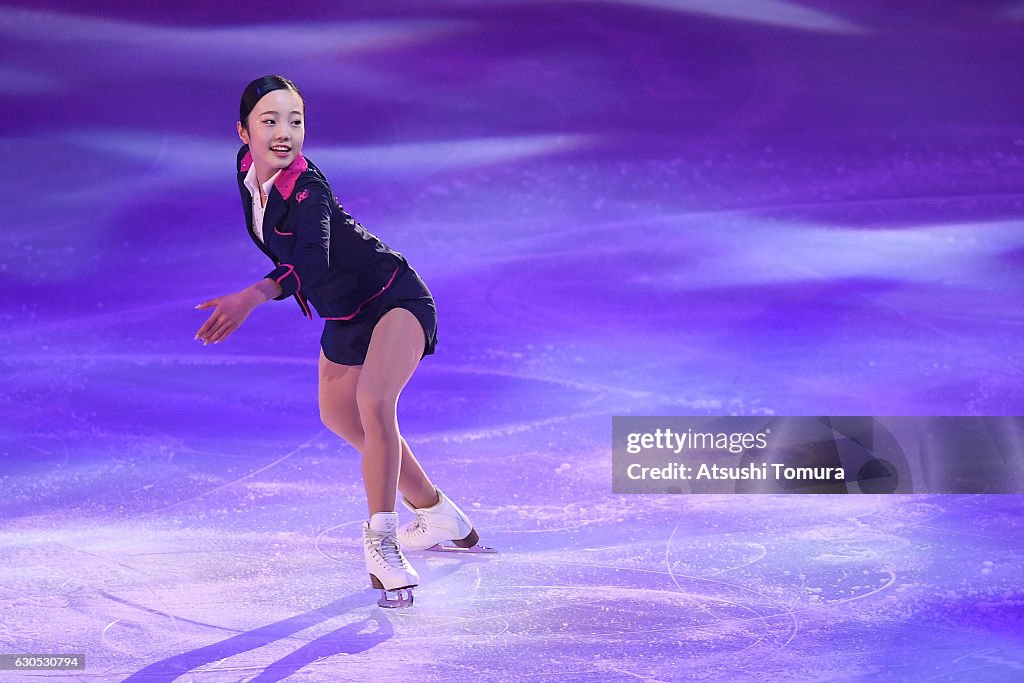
[{"x": 345, "y": 341}]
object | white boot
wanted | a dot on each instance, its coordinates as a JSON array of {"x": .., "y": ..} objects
[
  {"x": 441, "y": 523},
  {"x": 388, "y": 568}
]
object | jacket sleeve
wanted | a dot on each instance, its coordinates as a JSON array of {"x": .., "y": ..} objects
[{"x": 310, "y": 218}]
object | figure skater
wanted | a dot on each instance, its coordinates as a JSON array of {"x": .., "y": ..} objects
[{"x": 379, "y": 322}]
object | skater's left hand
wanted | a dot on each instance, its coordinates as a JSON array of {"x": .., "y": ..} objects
[{"x": 229, "y": 312}]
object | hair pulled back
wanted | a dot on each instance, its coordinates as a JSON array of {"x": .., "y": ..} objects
[{"x": 255, "y": 91}]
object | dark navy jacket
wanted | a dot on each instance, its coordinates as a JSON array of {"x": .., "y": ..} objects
[{"x": 321, "y": 254}]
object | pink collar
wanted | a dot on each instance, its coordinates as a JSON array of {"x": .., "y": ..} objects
[{"x": 285, "y": 182}]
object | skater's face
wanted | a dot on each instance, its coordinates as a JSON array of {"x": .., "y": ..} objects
[{"x": 274, "y": 131}]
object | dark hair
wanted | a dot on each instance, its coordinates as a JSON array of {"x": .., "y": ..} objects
[{"x": 255, "y": 91}]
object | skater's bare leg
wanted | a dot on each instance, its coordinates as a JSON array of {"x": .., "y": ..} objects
[
  {"x": 413, "y": 481},
  {"x": 336, "y": 394},
  {"x": 389, "y": 571},
  {"x": 340, "y": 413},
  {"x": 394, "y": 352}
]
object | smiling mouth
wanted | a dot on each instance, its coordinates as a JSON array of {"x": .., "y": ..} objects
[{"x": 280, "y": 150}]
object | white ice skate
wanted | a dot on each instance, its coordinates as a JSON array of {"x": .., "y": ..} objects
[
  {"x": 441, "y": 527},
  {"x": 388, "y": 568}
]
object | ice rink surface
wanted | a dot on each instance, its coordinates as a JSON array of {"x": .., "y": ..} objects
[{"x": 646, "y": 207}]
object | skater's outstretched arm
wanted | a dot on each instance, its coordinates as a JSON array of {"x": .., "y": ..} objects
[{"x": 231, "y": 310}]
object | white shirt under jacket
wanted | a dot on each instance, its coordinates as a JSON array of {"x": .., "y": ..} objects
[{"x": 257, "y": 204}]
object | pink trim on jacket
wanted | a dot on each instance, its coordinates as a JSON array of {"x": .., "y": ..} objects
[
  {"x": 285, "y": 182},
  {"x": 298, "y": 290},
  {"x": 304, "y": 305},
  {"x": 360, "y": 307},
  {"x": 282, "y": 233},
  {"x": 291, "y": 271}
]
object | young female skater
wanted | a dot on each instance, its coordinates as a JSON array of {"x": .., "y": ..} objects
[{"x": 379, "y": 322}]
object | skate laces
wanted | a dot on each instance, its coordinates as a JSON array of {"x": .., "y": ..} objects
[
  {"x": 387, "y": 545},
  {"x": 420, "y": 525}
]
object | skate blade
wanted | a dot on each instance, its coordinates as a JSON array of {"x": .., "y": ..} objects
[
  {"x": 472, "y": 550},
  {"x": 398, "y": 598}
]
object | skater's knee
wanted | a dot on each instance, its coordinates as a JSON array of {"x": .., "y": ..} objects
[
  {"x": 346, "y": 429},
  {"x": 329, "y": 419},
  {"x": 376, "y": 413}
]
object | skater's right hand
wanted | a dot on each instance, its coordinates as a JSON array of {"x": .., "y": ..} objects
[{"x": 229, "y": 312}]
